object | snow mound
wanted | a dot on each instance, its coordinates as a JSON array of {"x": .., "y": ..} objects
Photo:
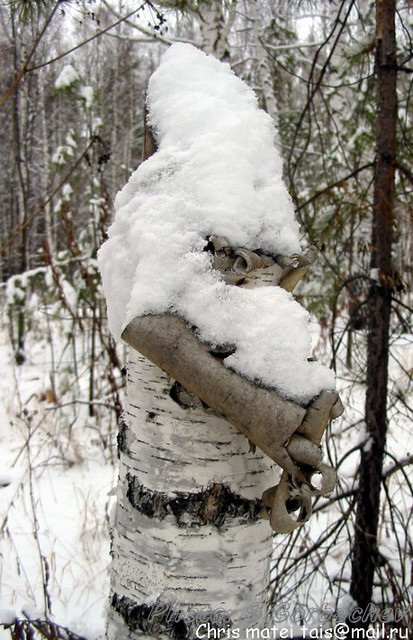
[{"x": 216, "y": 171}]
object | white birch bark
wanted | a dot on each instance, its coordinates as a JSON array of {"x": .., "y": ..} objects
[
  {"x": 45, "y": 172},
  {"x": 217, "y": 18},
  {"x": 265, "y": 78},
  {"x": 189, "y": 545}
]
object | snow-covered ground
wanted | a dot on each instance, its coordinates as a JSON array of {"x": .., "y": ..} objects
[{"x": 54, "y": 502}]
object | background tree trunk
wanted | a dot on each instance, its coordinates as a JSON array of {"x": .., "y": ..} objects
[
  {"x": 366, "y": 556},
  {"x": 216, "y": 20}
]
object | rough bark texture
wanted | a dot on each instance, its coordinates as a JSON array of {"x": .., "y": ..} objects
[
  {"x": 188, "y": 546},
  {"x": 214, "y": 505},
  {"x": 365, "y": 549}
]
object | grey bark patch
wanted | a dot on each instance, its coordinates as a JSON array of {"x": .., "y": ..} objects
[
  {"x": 215, "y": 505},
  {"x": 166, "y": 619}
]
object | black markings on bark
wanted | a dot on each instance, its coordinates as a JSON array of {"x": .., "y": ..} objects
[
  {"x": 184, "y": 398},
  {"x": 123, "y": 435},
  {"x": 166, "y": 619},
  {"x": 216, "y": 505}
]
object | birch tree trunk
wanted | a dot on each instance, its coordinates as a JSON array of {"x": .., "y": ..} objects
[
  {"x": 189, "y": 545},
  {"x": 191, "y": 550},
  {"x": 264, "y": 75},
  {"x": 216, "y": 20}
]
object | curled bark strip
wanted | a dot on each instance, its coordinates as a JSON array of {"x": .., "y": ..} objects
[
  {"x": 295, "y": 267},
  {"x": 304, "y": 451},
  {"x": 282, "y": 500},
  {"x": 324, "y": 408},
  {"x": 235, "y": 264},
  {"x": 328, "y": 479},
  {"x": 247, "y": 261},
  {"x": 287, "y": 496},
  {"x": 264, "y": 417}
]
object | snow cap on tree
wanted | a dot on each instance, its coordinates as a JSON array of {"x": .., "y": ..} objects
[{"x": 216, "y": 172}]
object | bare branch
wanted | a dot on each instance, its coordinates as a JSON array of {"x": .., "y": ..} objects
[
  {"x": 11, "y": 89},
  {"x": 295, "y": 45},
  {"x": 81, "y": 44},
  {"x": 337, "y": 183}
]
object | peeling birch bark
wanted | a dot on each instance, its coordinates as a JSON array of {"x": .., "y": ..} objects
[
  {"x": 303, "y": 446},
  {"x": 264, "y": 417}
]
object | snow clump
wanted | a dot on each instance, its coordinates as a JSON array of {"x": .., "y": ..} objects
[
  {"x": 67, "y": 77},
  {"x": 216, "y": 172}
]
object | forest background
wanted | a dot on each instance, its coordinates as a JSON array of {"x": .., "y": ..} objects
[{"x": 72, "y": 84}]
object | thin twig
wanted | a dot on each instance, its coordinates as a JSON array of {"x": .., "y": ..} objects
[{"x": 333, "y": 185}]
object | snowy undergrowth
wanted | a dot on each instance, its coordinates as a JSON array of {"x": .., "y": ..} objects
[
  {"x": 60, "y": 472},
  {"x": 58, "y": 465}
]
